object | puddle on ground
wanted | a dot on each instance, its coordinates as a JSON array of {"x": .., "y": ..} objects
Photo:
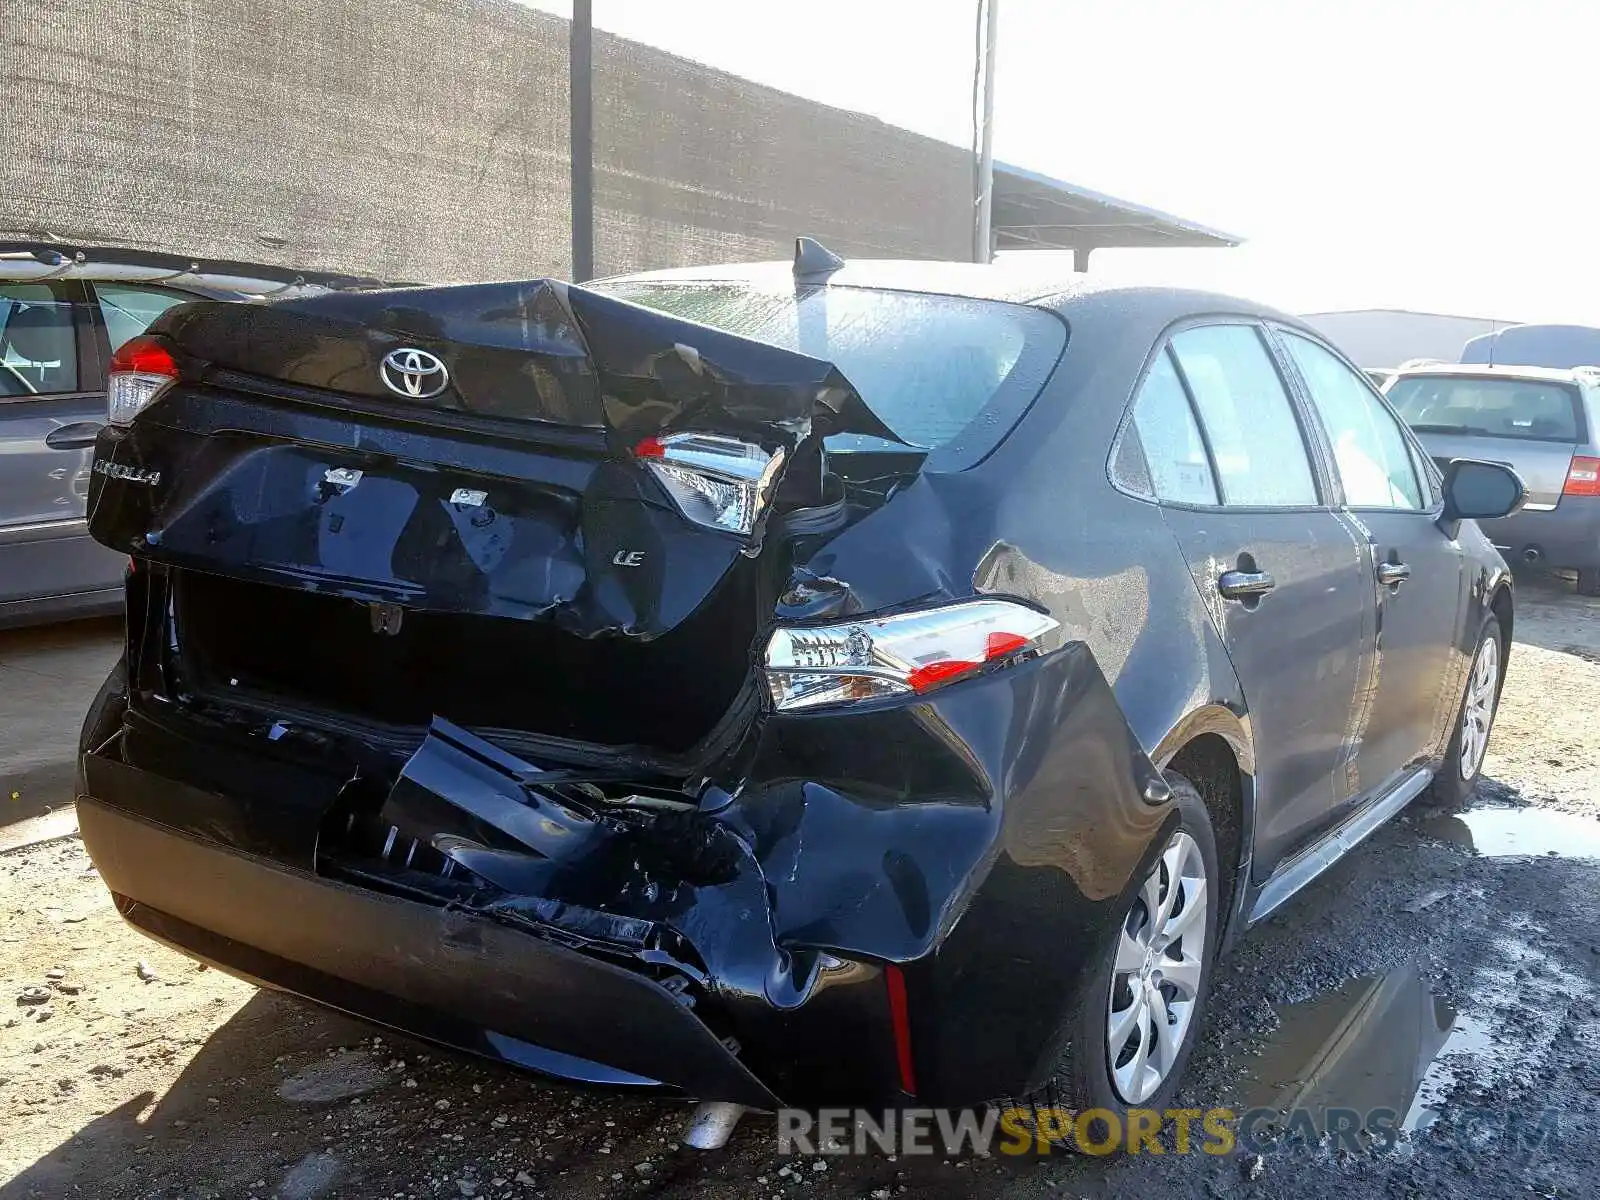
[
  {"x": 1381, "y": 1042},
  {"x": 1497, "y": 831}
]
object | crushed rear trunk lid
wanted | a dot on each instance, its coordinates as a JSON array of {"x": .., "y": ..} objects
[
  {"x": 541, "y": 350},
  {"x": 522, "y": 450}
]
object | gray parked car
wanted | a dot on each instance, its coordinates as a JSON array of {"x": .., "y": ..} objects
[
  {"x": 63, "y": 312},
  {"x": 1544, "y": 423}
]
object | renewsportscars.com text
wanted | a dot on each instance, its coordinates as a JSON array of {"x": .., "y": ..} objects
[{"x": 1099, "y": 1131}]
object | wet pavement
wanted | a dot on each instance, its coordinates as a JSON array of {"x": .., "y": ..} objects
[
  {"x": 1443, "y": 977},
  {"x": 1368, "y": 1044},
  {"x": 1500, "y": 830},
  {"x": 1384, "y": 1042}
]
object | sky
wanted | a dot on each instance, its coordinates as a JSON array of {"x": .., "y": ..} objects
[{"x": 1436, "y": 155}]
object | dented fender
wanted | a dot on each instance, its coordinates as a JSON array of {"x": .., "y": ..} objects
[{"x": 990, "y": 846}]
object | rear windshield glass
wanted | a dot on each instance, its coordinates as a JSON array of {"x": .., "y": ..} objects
[
  {"x": 940, "y": 371},
  {"x": 1528, "y": 409}
]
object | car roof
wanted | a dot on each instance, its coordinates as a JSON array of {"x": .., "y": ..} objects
[
  {"x": 32, "y": 261},
  {"x": 1584, "y": 375},
  {"x": 1041, "y": 280}
]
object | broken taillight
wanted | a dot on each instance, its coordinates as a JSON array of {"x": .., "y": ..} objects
[
  {"x": 1583, "y": 477},
  {"x": 719, "y": 482},
  {"x": 904, "y": 654},
  {"x": 141, "y": 369}
]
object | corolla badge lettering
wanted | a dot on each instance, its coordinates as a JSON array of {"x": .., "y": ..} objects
[
  {"x": 413, "y": 373},
  {"x": 113, "y": 470}
]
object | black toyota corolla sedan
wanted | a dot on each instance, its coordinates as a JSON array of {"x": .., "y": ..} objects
[{"x": 789, "y": 684}]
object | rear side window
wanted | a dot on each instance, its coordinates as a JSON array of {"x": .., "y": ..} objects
[
  {"x": 1174, "y": 452},
  {"x": 129, "y": 308},
  {"x": 1370, "y": 451},
  {"x": 1256, "y": 443},
  {"x": 940, "y": 371},
  {"x": 38, "y": 341},
  {"x": 1529, "y": 410}
]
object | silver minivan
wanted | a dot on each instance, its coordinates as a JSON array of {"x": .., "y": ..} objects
[{"x": 1542, "y": 422}]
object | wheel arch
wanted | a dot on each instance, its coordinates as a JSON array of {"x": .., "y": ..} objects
[
  {"x": 1500, "y": 604},
  {"x": 1212, "y": 748}
]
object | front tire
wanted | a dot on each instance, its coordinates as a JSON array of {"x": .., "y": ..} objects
[
  {"x": 1136, "y": 1021},
  {"x": 1463, "y": 761},
  {"x": 1589, "y": 581}
]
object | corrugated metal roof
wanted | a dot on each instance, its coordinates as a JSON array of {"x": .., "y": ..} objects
[{"x": 1035, "y": 212}]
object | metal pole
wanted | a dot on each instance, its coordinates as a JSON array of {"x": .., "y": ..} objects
[
  {"x": 982, "y": 244},
  {"x": 580, "y": 108}
]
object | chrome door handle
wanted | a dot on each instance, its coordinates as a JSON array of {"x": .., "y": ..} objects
[
  {"x": 1393, "y": 574},
  {"x": 79, "y": 435},
  {"x": 1241, "y": 585}
]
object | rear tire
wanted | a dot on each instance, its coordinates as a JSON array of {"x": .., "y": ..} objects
[
  {"x": 1458, "y": 775},
  {"x": 1109, "y": 1022},
  {"x": 1589, "y": 581}
]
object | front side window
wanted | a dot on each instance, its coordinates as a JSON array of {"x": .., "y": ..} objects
[
  {"x": 1370, "y": 451},
  {"x": 38, "y": 341},
  {"x": 1173, "y": 449},
  {"x": 1256, "y": 444},
  {"x": 129, "y": 308}
]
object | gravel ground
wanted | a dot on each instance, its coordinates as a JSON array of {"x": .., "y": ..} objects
[{"x": 1448, "y": 967}]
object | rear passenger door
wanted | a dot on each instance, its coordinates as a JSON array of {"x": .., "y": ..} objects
[
  {"x": 1415, "y": 570},
  {"x": 1280, "y": 571},
  {"x": 56, "y": 339},
  {"x": 51, "y": 376}
]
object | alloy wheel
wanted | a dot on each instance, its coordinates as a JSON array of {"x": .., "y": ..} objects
[
  {"x": 1156, "y": 978},
  {"x": 1477, "y": 714}
]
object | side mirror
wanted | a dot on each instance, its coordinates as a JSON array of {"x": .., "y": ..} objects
[
  {"x": 1481, "y": 491},
  {"x": 79, "y": 435}
]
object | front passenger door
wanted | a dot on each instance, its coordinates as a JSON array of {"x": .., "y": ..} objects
[
  {"x": 1278, "y": 568},
  {"x": 1416, "y": 571}
]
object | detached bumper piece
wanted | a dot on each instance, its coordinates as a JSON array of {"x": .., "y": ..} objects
[{"x": 465, "y": 978}]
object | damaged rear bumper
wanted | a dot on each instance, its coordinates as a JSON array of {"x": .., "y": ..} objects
[
  {"x": 974, "y": 853},
  {"x": 452, "y": 976}
]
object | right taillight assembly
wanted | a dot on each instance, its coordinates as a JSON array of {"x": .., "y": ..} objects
[
  {"x": 715, "y": 481},
  {"x": 142, "y": 368},
  {"x": 1583, "y": 477},
  {"x": 902, "y": 654}
]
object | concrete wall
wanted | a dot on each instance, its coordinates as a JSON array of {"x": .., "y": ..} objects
[
  {"x": 1388, "y": 337},
  {"x": 428, "y": 140}
]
